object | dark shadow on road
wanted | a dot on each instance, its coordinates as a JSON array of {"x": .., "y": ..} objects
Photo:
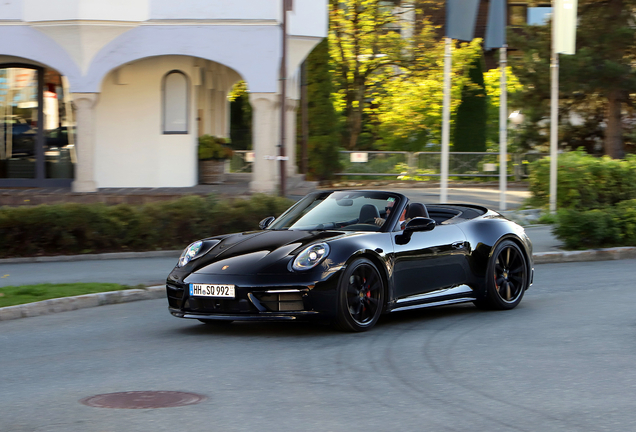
[{"x": 389, "y": 322}]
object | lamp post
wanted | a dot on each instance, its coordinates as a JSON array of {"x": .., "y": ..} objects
[{"x": 287, "y": 5}]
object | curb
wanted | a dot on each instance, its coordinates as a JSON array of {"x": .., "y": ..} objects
[
  {"x": 607, "y": 254},
  {"x": 66, "y": 304}
]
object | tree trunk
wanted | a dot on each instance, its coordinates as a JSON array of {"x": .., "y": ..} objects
[
  {"x": 614, "y": 129},
  {"x": 355, "y": 117},
  {"x": 355, "y": 127}
]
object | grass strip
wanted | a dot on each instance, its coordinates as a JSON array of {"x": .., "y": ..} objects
[{"x": 16, "y": 295}]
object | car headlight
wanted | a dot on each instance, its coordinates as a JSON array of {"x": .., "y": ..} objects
[
  {"x": 189, "y": 253},
  {"x": 311, "y": 256}
]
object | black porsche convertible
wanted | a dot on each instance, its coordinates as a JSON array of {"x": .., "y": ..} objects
[{"x": 347, "y": 257}]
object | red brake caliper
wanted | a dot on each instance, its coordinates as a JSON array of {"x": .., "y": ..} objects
[{"x": 364, "y": 284}]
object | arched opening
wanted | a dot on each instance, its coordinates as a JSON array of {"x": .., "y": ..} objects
[
  {"x": 160, "y": 106},
  {"x": 37, "y": 127}
]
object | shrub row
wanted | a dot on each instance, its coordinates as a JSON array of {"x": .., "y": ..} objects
[
  {"x": 94, "y": 228},
  {"x": 602, "y": 227},
  {"x": 584, "y": 181}
]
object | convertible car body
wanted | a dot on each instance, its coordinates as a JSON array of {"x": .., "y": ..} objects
[{"x": 347, "y": 257}]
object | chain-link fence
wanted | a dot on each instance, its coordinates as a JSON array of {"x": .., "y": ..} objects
[
  {"x": 414, "y": 166},
  {"x": 373, "y": 163},
  {"x": 424, "y": 165},
  {"x": 241, "y": 161}
]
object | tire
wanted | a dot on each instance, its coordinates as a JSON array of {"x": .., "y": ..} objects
[
  {"x": 216, "y": 323},
  {"x": 360, "y": 297},
  {"x": 506, "y": 277}
]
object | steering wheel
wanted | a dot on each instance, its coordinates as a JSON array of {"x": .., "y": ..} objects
[{"x": 345, "y": 223}]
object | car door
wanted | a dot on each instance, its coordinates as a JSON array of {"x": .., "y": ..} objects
[{"x": 429, "y": 260}]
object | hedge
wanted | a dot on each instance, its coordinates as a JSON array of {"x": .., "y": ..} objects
[
  {"x": 584, "y": 181},
  {"x": 603, "y": 227},
  {"x": 94, "y": 228}
]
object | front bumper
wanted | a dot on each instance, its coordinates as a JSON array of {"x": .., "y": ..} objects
[
  {"x": 261, "y": 316},
  {"x": 254, "y": 301}
]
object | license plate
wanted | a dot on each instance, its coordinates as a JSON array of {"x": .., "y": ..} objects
[{"x": 204, "y": 290}]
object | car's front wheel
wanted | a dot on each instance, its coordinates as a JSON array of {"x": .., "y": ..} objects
[
  {"x": 360, "y": 296},
  {"x": 506, "y": 277}
]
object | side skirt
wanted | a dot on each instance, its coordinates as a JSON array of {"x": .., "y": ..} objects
[{"x": 458, "y": 294}]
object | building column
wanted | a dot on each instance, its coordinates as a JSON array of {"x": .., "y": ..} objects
[
  {"x": 291, "y": 106},
  {"x": 265, "y": 126},
  {"x": 220, "y": 114},
  {"x": 85, "y": 142},
  {"x": 227, "y": 116},
  {"x": 207, "y": 112},
  {"x": 212, "y": 113}
]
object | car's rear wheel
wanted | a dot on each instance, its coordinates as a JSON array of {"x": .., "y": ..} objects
[
  {"x": 360, "y": 296},
  {"x": 506, "y": 277}
]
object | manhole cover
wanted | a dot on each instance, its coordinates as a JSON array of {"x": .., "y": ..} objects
[{"x": 143, "y": 399}]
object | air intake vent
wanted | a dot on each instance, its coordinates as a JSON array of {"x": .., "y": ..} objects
[{"x": 281, "y": 302}]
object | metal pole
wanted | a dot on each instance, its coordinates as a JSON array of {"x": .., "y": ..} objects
[
  {"x": 443, "y": 195},
  {"x": 554, "y": 116},
  {"x": 283, "y": 97},
  {"x": 305, "y": 118},
  {"x": 503, "y": 130}
]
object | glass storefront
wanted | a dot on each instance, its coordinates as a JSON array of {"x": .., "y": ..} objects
[{"x": 37, "y": 128}]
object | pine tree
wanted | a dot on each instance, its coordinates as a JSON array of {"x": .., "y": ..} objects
[
  {"x": 597, "y": 84},
  {"x": 323, "y": 123},
  {"x": 472, "y": 113}
]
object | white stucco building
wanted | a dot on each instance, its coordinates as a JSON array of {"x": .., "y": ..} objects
[{"x": 102, "y": 94}]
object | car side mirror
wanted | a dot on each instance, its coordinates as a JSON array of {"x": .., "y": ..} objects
[
  {"x": 418, "y": 224},
  {"x": 266, "y": 222}
]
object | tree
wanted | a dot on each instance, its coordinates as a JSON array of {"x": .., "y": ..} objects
[
  {"x": 604, "y": 64},
  {"x": 322, "y": 147},
  {"x": 364, "y": 45},
  {"x": 472, "y": 112},
  {"x": 492, "y": 86},
  {"x": 240, "y": 117},
  {"x": 596, "y": 84},
  {"x": 410, "y": 104}
]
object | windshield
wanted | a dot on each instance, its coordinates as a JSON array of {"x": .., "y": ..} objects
[{"x": 346, "y": 210}]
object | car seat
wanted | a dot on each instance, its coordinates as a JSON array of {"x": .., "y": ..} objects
[
  {"x": 368, "y": 213},
  {"x": 416, "y": 209}
]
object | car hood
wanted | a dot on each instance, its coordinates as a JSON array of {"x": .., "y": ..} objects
[{"x": 258, "y": 251}]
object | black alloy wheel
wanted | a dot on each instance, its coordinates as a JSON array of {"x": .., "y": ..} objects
[
  {"x": 360, "y": 296},
  {"x": 506, "y": 278}
]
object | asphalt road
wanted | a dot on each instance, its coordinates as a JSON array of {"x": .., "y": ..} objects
[
  {"x": 133, "y": 271},
  {"x": 484, "y": 196},
  {"x": 563, "y": 360}
]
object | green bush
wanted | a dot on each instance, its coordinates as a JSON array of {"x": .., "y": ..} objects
[
  {"x": 584, "y": 181},
  {"x": 213, "y": 148},
  {"x": 94, "y": 228},
  {"x": 606, "y": 227}
]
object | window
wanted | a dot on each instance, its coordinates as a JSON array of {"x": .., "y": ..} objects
[
  {"x": 521, "y": 14},
  {"x": 175, "y": 103},
  {"x": 37, "y": 127},
  {"x": 517, "y": 14},
  {"x": 539, "y": 15}
]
